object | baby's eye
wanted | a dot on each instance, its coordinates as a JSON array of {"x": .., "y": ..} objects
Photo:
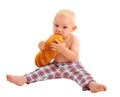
[
  {"x": 56, "y": 25},
  {"x": 64, "y": 27}
]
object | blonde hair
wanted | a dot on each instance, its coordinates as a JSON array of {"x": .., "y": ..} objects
[{"x": 67, "y": 12}]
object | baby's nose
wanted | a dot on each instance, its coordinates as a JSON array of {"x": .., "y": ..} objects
[{"x": 60, "y": 29}]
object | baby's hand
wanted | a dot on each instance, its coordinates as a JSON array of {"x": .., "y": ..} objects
[
  {"x": 57, "y": 46},
  {"x": 41, "y": 45}
]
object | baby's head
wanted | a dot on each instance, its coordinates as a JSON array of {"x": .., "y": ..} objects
[
  {"x": 64, "y": 22},
  {"x": 67, "y": 13}
]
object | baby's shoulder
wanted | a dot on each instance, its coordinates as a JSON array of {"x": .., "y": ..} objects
[{"x": 74, "y": 37}]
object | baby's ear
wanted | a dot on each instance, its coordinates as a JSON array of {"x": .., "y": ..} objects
[{"x": 74, "y": 28}]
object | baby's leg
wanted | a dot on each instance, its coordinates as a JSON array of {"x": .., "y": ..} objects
[
  {"x": 42, "y": 73},
  {"x": 83, "y": 78},
  {"x": 79, "y": 75}
]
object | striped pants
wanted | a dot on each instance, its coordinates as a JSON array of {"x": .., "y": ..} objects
[{"x": 70, "y": 70}]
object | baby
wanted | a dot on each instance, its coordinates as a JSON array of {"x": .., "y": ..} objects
[{"x": 66, "y": 63}]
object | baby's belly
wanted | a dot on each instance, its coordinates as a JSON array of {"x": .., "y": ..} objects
[{"x": 61, "y": 58}]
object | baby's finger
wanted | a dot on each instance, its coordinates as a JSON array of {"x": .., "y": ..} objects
[{"x": 57, "y": 41}]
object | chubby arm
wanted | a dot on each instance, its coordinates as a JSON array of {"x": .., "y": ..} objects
[{"x": 71, "y": 52}]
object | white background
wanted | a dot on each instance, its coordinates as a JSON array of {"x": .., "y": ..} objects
[{"x": 23, "y": 23}]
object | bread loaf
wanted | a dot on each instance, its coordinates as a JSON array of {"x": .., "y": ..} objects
[{"x": 44, "y": 57}]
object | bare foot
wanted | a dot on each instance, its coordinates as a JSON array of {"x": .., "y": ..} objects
[
  {"x": 95, "y": 87},
  {"x": 18, "y": 80}
]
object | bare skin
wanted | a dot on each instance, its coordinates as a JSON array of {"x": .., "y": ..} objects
[
  {"x": 96, "y": 87},
  {"x": 18, "y": 80},
  {"x": 21, "y": 80}
]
